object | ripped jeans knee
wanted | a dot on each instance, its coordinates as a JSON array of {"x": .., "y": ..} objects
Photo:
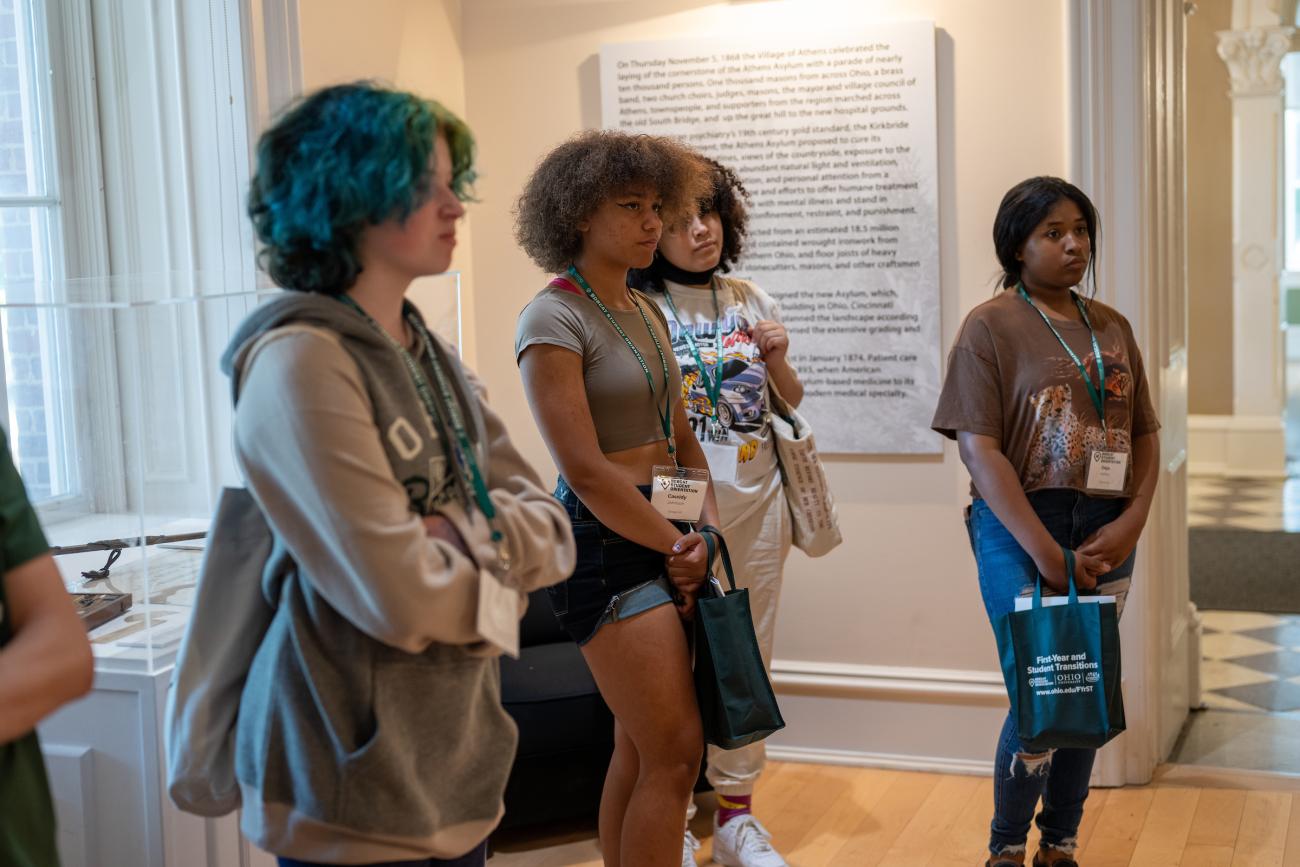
[{"x": 1032, "y": 764}]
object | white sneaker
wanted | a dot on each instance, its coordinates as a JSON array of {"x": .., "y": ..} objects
[
  {"x": 689, "y": 847},
  {"x": 744, "y": 842}
]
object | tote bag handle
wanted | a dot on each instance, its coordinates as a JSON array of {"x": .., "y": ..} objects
[
  {"x": 713, "y": 542},
  {"x": 1069, "y": 571}
]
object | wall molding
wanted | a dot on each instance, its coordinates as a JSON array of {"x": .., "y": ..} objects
[
  {"x": 841, "y": 680},
  {"x": 1235, "y": 446},
  {"x": 876, "y": 686},
  {"x": 888, "y": 716},
  {"x": 890, "y": 761}
]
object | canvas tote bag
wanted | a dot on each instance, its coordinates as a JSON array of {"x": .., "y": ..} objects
[
  {"x": 230, "y": 618},
  {"x": 814, "y": 520}
]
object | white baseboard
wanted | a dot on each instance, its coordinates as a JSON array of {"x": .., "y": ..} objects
[
  {"x": 1236, "y": 446},
  {"x": 845, "y": 679},
  {"x": 907, "y": 719},
  {"x": 890, "y": 761},
  {"x": 881, "y": 716}
]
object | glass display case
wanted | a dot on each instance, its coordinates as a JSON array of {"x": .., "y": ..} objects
[{"x": 119, "y": 421}]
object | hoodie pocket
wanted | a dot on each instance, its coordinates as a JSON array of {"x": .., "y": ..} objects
[{"x": 442, "y": 747}]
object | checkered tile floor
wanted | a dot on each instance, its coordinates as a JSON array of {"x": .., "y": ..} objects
[
  {"x": 1251, "y": 662},
  {"x": 1244, "y": 504}
]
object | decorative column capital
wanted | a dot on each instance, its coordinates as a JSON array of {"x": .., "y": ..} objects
[{"x": 1254, "y": 59}]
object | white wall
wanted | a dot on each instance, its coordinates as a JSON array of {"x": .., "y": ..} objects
[
  {"x": 883, "y": 649},
  {"x": 410, "y": 44}
]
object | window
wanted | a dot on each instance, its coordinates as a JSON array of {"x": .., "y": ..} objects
[
  {"x": 1291, "y": 125},
  {"x": 39, "y": 412},
  {"x": 116, "y": 146}
]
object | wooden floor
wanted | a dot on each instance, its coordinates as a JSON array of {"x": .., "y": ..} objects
[{"x": 824, "y": 815}]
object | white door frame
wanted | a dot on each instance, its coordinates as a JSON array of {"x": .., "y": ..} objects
[
  {"x": 1126, "y": 136},
  {"x": 272, "y": 59}
]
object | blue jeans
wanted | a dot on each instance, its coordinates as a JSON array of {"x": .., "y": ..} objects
[
  {"x": 477, "y": 857},
  {"x": 1059, "y": 778}
]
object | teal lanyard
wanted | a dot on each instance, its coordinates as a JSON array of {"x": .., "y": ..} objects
[
  {"x": 1096, "y": 392},
  {"x": 712, "y": 387},
  {"x": 446, "y": 414},
  {"x": 665, "y": 414}
]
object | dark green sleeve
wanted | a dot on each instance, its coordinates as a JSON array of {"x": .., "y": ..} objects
[{"x": 21, "y": 537}]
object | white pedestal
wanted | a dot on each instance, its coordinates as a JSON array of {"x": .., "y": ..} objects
[
  {"x": 105, "y": 753},
  {"x": 106, "y": 763}
]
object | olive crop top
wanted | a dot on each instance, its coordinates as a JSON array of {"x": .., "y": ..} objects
[{"x": 622, "y": 409}]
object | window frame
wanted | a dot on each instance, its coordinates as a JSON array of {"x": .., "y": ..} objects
[
  {"x": 73, "y": 360},
  {"x": 1290, "y": 176}
]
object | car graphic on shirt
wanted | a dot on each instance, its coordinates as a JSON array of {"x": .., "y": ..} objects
[{"x": 740, "y": 404}]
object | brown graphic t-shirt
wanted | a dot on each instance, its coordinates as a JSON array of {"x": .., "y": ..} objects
[{"x": 1010, "y": 378}]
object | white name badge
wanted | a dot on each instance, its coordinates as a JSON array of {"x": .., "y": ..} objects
[
  {"x": 677, "y": 493},
  {"x": 724, "y": 459},
  {"x": 498, "y": 613},
  {"x": 1107, "y": 471}
]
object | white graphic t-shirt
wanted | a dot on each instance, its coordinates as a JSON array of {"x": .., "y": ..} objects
[{"x": 735, "y": 434}]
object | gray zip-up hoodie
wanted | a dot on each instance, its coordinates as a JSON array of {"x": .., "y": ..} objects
[{"x": 370, "y": 727}]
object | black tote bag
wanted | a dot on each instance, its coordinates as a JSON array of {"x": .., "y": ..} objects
[{"x": 737, "y": 705}]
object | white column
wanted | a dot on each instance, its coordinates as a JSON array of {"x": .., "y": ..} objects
[{"x": 1255, "y": 443}]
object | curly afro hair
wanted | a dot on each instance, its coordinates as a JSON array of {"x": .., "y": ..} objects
[
  {"x": 730, "y": 201},
  {"x": 571, "y": 182},
  {"x": 342, "y": 159}
]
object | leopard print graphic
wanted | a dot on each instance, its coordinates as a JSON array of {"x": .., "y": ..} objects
[{"x": 1061, "y": 440}]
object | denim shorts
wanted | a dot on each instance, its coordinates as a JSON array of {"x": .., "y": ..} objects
[{"x": 614, "y": 579}]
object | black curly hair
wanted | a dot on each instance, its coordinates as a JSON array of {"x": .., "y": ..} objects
[
  {"x": 571, "y": 182},
  {"x": 729, "y": 199}
]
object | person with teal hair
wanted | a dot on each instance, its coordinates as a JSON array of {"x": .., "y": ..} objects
[
  {"x": 408, "y": 530},
  {"x": 350, "y": 157}
]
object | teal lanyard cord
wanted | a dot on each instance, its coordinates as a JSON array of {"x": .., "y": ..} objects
[
  {"x": 1095, "y": 392},
  {"x": 446, "y": 415},
  {"x": 665, "y": 414},
  {"x": 712, "y": 387}
]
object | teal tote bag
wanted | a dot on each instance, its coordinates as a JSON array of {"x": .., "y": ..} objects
[
  {"x": 1061, "y": 665},
  {"x": 737, "y": 705}
]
